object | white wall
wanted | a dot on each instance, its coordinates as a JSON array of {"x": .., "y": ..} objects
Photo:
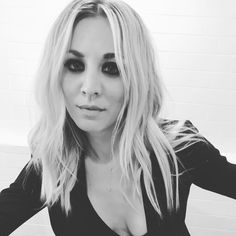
[
  {"x": 197, "y": 51},
  {"x": 24, "y": 25}
]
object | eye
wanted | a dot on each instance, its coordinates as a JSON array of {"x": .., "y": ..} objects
[
  {"x": 74, "y": 65},
  {"x": 110, "y": 68}
]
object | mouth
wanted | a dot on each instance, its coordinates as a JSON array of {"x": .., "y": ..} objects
[{"x": 91, "y": 108}]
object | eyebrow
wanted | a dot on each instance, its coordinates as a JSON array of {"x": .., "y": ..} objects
[{"x": 76, "y": 53}]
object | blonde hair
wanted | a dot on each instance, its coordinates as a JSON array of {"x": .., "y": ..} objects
[{"x": 57, "y": 144}]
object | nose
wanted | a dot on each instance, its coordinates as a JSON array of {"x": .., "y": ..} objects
[{"x": 91, "y": 86}]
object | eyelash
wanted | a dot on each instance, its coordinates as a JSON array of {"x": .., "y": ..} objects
[{"x": 74, "y": 66}]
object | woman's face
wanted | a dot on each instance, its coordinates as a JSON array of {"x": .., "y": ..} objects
[{"x": 91, "y": 84}]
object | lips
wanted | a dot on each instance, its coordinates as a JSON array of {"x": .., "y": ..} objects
[{"x": 91, "y": 108}]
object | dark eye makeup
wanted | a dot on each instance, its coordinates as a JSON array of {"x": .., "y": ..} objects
[
  {"x": 110, "y": 68},
  {"x": 74, "y": 65},
  {"x": 77, "y": 66}
]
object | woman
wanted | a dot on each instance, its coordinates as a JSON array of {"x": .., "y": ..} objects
[{"x": 103, "y": 160}]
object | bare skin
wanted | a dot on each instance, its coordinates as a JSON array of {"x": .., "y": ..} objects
[{"x": 104, "y": 193}]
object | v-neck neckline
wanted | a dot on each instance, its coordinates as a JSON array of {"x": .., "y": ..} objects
[{"x": 113, "y": 233}]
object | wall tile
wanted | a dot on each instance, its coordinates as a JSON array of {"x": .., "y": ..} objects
[
  {"x": 195, "y": 44},
  {"x": 190, "y": 25},
  {"x": 198, "y": 62}
]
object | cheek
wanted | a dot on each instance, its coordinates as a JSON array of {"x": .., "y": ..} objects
[
  {"x": 68, "y": 89},
  {"x": 117, "y": 94},
  {"x": 65, "y": 87}
]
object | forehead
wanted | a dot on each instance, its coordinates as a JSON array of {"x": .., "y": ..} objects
[{"x": 93, "y": 34}]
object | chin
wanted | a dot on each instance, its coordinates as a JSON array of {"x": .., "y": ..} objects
[{"x": 90, "y": 127}]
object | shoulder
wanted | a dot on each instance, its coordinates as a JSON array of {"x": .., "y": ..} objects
[
  {"x": 28, "y": 180},
  {"x": 191, "y": 147},
  {"x": 198, "y": 150},
  {"x": 186, "y": 125}
]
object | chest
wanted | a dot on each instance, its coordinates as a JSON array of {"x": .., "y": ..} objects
[{"x": 112, "y": 205}]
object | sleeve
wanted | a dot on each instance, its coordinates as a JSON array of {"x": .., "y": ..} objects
[
  {"x": 20, "y": 201},
  {"x": 208, "y": 169}
]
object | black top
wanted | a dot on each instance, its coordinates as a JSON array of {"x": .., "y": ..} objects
[{"x": 203, "y": 165}]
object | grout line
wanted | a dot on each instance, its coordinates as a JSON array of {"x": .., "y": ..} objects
[
  {"x": 210, "y": 72},
  {"x": 187, "y": 15},
  {"x": 212, "y": 229},
  {"x": 198, "y": 53},
  {"x": 14, "y": 149},
  {"x": 202, "y": 88},
  {"x": 192, "y": 35},
  {"x": 211, "y": 215}
]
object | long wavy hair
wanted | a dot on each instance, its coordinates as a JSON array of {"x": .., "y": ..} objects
[{"x": 58, "y": 145}]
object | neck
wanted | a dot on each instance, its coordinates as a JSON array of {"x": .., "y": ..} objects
[{"x": 101, "y": 143}]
